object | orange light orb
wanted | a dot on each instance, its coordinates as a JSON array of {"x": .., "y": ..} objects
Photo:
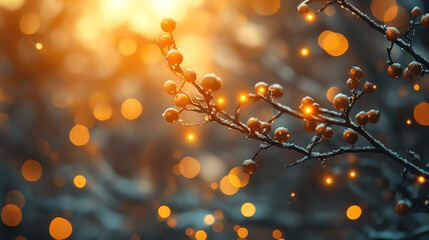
[
  {"x": 421, "y": 180},
  {"x": 304, "y": 52}
]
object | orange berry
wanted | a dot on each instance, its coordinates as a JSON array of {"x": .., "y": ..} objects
[
  {"x": 352, "y": 84},
  {"x": 341, "y": 101},
  {"x": 249, "y": 166},
  {"x": 406, "y": 75},
  {"x": 168, "y": 24},
  {"x": 307, "y": 101},
  {"x": 414, "y": 68},
  {"x": 171, "y": 115},
  {"x": 327, "y": 132},
  {"x": 181, "y": 100},
  {"x": 174, "y": 57},
  {"x": 281, "y": 134},
  {"x": 392, "y": 33},
  {"x": 261, "y": 88},
  {"x": 425, "y": 21},
  {"x": 416, "y": 11},
  {"x": 253, "y": 124},
  {"x": 402, "y": 207},
  {"x": 350, "y": 136},
  {"x": 309, "y": 125},
  {"x": 303, "y": 9},
  {"x": 276, "y": 90},
  {"x": 170, "y": 87},
  {"x": 166, "y": 41},
  {"x": 361, "y": 118},
  {"x": 355, "y": 73},
  {"x": 190, "y": 76},
  {"x": 265, "y": 128},
  {"x": 211, "y": 82},
  {"x": 395, "y": 70},
  {"x": 373, "y": 116},
  {"x": 368, "y": 87}
]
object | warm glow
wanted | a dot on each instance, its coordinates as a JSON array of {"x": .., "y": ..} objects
[
  {"x": 248, "y": 209},
  {"x": 189, "y": 167},
  {"x": 11, "y": 215},
  {"x": 304, "y": 52},
  {"x": 408, "y": 122},
  {"x": 217, "y": 227},
  {"x": 189, "y": 231},
  {"x": 131, "y": 109},
  {"x": 15, "y": 197},
  {"x": 209, "y": 219},
  {"x": 60, "y": 228},
  {"x": 242, "y": 232},
  {"x": 79, "y": 135},
  {"x": 335, "y": 44},
  {"x": 164, "y": 211},
  {"x": 29, "y": 23},
  {"x": 375, "y": 86},
  {"x": 171, "y": 222},
  {"x": 226, "y": 186},
  {"x": 220, "y": 100},
  {"x": 277, "y": 234},
  {"x": 127, "y": 46},
  {"x": 214, "y": 185},
  {"x": 218, "y": 214},
  {"x": 200, "y": 235},
  {"x": 308, "y": 110},
  {"x": 421, "y": 113},
  {"x": 354, "y": 212},
  {"x": 191, "y": 137},
  {"x": 243, "y": 97},
  {"x": 39, "y": 46},
  {"x": 102, "y": 111},
  {"x": 328, "y": 181},
  {"x": 332, "y": 92},
  {"x": 238, "y": 178},
  {"x": 416, "y": 87},
  {"x": 31, "y": 170},
  {"x": 421, "y": 179},
  {"x": 265, "y": 7},
  {"x": 310, "y": 17},
  {"x": 292, "y": 194},
  {"x": 79, "y": 181},
  {"x": 352, "y": 174}
]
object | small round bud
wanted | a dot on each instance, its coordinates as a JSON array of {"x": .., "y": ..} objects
[
  {"x": 166, "y": 41},
  {"x": 416, "y": 11},
  {"x": 190, "y": 76},
  {"x": 307, "y": 101},
  {"x": 328, "y": 132},
  {"x": 170, "y": 87},
  {"x": 281, "y": 134},
  {"x": 350, "y": 136},
  {"x": 406, "y": 75},
  {"x": 174, "y": 58},
  {"x": 303, "y": 9},
  {"x": 253, "y": 124},
  {"x": 355, "y": 73},
  {"x": 309, "y": 125},
  {"x": 352, "y": 84},
  {"x": 414, "y": 68},
  {"x": 368, "y": 87},
  {"x": 181, "y": 100},
  {"x": 425, "y": 21},
  {"x": 392, "y": 33},
  {"x": 319, "y": 129},
  {"x": 395, "y": 70},
  {"x": 361, "y": 118},
  {"x": 265, "y": 128},
  {"x": 171, "y": 115},
  {"x": 341, "y": 101},
  {"x": 402, "y": 207},
  {"x": 373, "y": 116},
  {"x": 261, "y": 88},
  {"x": 211, "y": 82},
  {"x": 168, "y": 24},
  {"x": 249, "y": 166},
  {"x": 276, "y": 90}
]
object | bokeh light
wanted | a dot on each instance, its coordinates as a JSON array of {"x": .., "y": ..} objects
[
  {"x": 354, "y": 212},
  {"x": 79, "y": 135},
  {"x": 11, "y": 215},
  {"x": 131, "y": 109},
  {"x": 60, "y": 228},
  {"x": 421, "y": 113},
  {"x": 189, "y": 167},
  {"x": 164, "y": 211},
  {"x": 79, "y": 181},
  {"x": 31, "y": 170},
  {"x": 248, "y": 209}
]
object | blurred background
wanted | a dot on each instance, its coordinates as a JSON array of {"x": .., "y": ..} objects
[{"x": 86, "y": 154}]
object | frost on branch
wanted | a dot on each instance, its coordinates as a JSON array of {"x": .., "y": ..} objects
[{"x": 317, "y": 119}]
